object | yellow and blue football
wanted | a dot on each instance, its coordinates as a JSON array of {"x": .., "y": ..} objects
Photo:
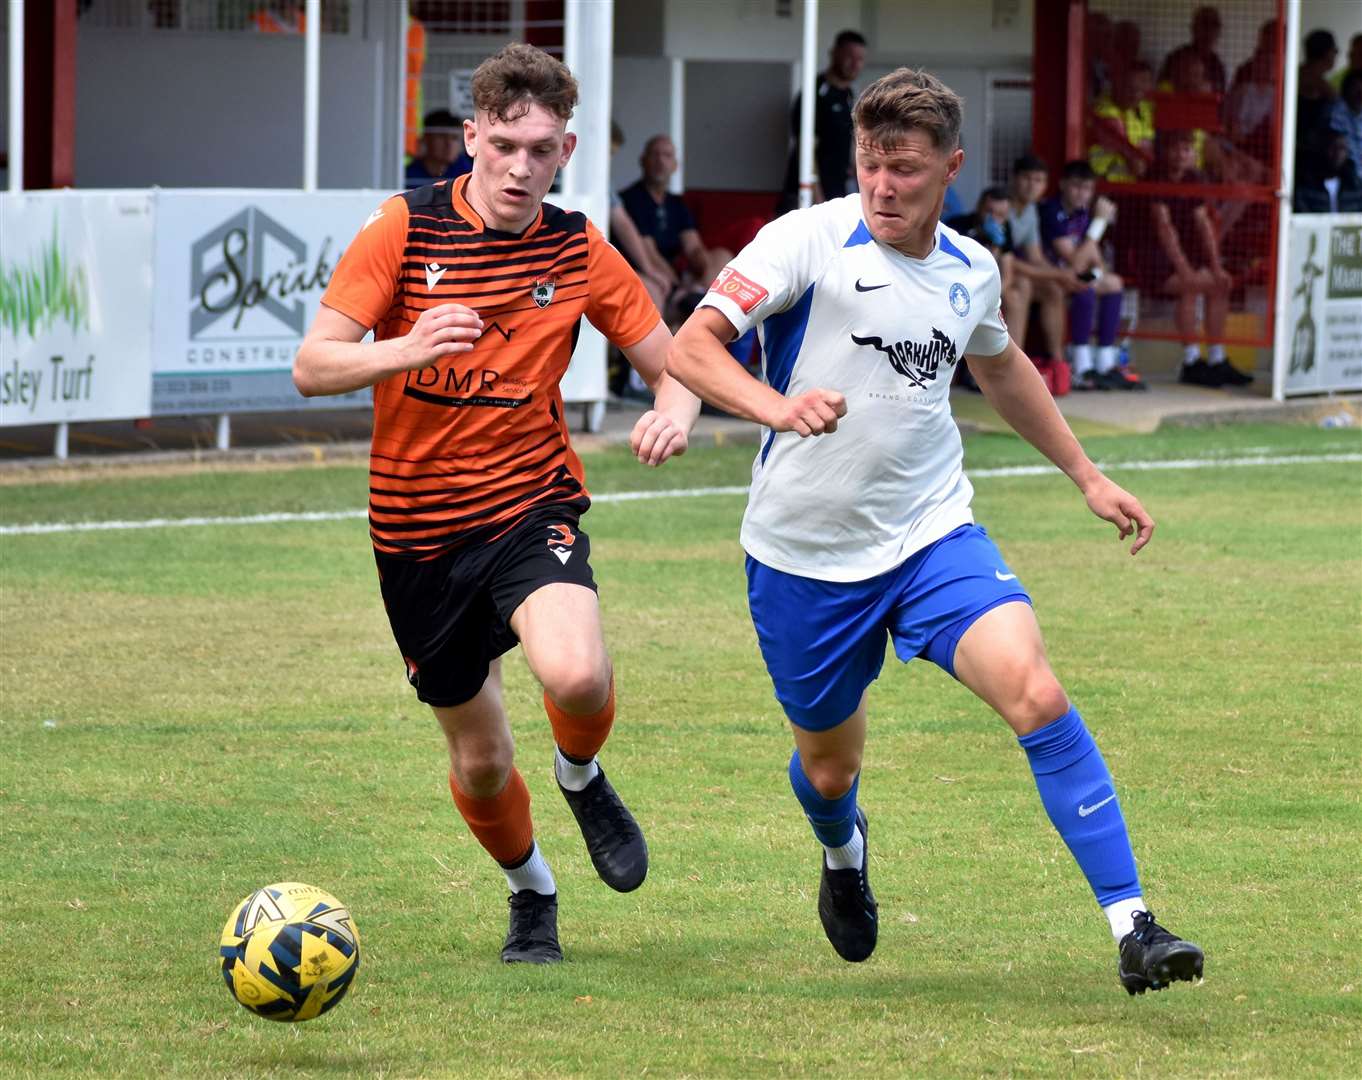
[{"x": 289, "y": 951}]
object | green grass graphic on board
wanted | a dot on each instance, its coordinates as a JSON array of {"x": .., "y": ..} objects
[{"x": 46, "y": 291}]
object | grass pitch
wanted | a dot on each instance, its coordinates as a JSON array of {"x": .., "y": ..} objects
[{"x": 189, "y": 713}]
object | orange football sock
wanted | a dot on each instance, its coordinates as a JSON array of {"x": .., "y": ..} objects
[
  {"x": 581, "y": 736},
  {"x": 502, "y": 823}
]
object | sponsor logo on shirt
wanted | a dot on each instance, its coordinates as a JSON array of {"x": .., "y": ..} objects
[
  {"x": 745, "y": 293},
  {"x": 916, "y": 361}
]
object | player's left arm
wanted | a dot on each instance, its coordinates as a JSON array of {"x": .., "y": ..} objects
[
  {"x": 664, "y": 430},
  {"x": 619, "y": 306},
  {"x": 1015, "y": 389}
]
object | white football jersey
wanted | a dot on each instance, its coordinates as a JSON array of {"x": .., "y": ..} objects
[{"x": 840, "y": 311}]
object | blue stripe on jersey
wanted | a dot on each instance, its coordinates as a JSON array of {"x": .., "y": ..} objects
[
  {"x": 951, "y": 249},
  {"x": 784, "y": 335},
  {"x": 859, "y": 237}
]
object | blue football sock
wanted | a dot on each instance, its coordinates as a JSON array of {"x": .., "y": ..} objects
[
  {"x": 1080, "y": 798},
  {"x": 833, "y": 820}
]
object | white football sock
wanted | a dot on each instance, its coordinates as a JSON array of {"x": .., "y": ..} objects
[
  {"x": 533, "y": 873},
  {"x": 1081, "y": 358},
  {"x": 572, "y": 776},
  {"x": 1191, "y": 354},
  {"x": 1121, "y": 915},
  {"x": 1217, "y": 354},
  {"x": 847, "y": 857},
  {"x": 1108, "y": 356}
]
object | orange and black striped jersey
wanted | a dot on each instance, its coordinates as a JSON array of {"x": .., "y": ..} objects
[{"x": 464, "y": 448}]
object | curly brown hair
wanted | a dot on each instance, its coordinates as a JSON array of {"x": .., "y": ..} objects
[
  {"x": 905, "y": 99},
  {"x": 507, "y": 84}
]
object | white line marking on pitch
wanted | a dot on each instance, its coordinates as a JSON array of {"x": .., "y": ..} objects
[{"x": 50, "y": 528}]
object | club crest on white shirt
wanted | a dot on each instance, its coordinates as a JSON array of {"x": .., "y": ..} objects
[{"x": 959, "y": 297}]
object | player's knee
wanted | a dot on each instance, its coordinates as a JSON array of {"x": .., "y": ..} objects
[
  {"x": 1041, "y": 701},
  {"x": 581, "y": 686},
  {"x": 831, "y": 777},
  {"x": 482, "y": 771}
]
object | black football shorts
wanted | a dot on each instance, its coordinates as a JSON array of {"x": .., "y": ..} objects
[{"x": 451, "y": 615}]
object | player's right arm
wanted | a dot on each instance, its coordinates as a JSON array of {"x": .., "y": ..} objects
[
  {"x": 699, "y": 361},
  {"x": 764, "y": 279},
  {"x": 332, "y": 359}
]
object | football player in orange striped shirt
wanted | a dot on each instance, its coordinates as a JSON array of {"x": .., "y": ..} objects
[{"x": 474, "y": 290}]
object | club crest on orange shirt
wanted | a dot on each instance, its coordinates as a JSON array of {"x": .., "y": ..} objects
[{"x": 542, "y": 291}]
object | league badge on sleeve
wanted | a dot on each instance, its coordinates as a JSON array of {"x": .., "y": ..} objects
[
  {"x": 744, "y": 292},
  {"x": 959, "y": 296}
]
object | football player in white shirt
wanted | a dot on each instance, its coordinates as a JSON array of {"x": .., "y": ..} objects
[{"x": 858, "y": 524}]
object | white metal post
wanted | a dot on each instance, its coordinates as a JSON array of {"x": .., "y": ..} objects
[
  {"x": 312, "y": 62},
  {"x": 1281, "y": 336},
  {"x": 807, "y": 102},
  {"x": 61, "y": 444},
  {"x": 588, "y": 41},
  {"x": 401, "y": 75},
  {"x": 676, "y": 124},
  {"x": 223, "y": 438},
  {"x": 16, "y": 95}
]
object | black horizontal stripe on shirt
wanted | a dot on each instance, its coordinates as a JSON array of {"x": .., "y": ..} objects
[
  {"x": 510, "y": 294},
  {"x": 446, "y": 505},
  {"x": 567, "y": 486},
  {"x": 552, "y": 436},
  {"x": 436, "y": 493},
  {"x": 455, "y": 277},
  {"x": 413, "y": 259},
  {"x": 456, "y": 242}
]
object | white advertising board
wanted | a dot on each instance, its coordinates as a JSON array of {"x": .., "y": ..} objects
[
  {"x": 1323, "y": 287},
  {"x": 75, "y": 306},
  {"x": 239, "y": 276}
]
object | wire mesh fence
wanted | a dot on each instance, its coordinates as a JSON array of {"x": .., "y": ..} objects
[{"x": 1183, "y": 131}]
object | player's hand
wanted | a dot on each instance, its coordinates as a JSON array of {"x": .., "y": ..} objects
[
  {"x": 1071, "y": 282},
  {"x": 1123, "y": 510},
  {"x": 441, "y": 331},
  {"x": 814, "y": 412},
  {"x": 657, "y": 437},
  {"x": 1104, "y": 208},
  {"x": 1222, "y": 277}
]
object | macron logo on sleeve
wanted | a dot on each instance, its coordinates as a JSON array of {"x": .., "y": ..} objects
[{"x": 744, "y": 292}]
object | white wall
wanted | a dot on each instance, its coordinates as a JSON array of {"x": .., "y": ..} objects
[
  {"x": 932, "y": 33},
  {"x": 1342, "y": 17},
  {"x": 737, "y": 125},
  {"x": 751, "y": 29},
  {"x": 642, "y": 108},
  {"x": 226, "y": 110}
]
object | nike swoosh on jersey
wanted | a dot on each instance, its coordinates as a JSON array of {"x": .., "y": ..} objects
[
  {"x": 1084, "y": 811},
  {"x": 434, "y": 272},
  {"x": 870, "y": 288},
  {"x": 1004, "y": 577},
  {"x": 372, "y": 218}
]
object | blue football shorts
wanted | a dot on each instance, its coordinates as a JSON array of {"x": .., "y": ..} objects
[{"x": 823, "y": 641}]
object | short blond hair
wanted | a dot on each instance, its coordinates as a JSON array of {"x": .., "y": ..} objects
[{"x": 909, "y": 99}]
